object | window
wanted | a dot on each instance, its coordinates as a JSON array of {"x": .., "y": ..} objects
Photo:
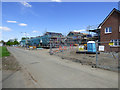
[
  {"x": 119, "y": 42},
  {"x": 119, "y": 28},
  {"x": 108, "y": 30},
  {"x": 116, "y": 42}
]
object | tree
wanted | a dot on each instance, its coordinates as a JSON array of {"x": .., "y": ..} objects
[
  {"x": 2, "y": 41},
  {"x": 23, "y": 38},
  {"x": 12, "y": 42},
  {"x": 8, "y": 43},
  {"x": 16, "y": 42}
]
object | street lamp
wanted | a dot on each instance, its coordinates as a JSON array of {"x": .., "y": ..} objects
[{"x": 26, "y": 38}]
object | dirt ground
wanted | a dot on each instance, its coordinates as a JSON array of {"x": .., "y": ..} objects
[
  {"x": 14, "y": 75},
  {"x": 10, "y": 63},
  {"x": 104, "y": 60}
]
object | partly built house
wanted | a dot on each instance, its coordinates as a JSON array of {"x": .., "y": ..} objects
[{"x": 77, "y": 38}]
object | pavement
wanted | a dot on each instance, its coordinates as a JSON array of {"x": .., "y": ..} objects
[
  {"x": 48, "y": 71},
  {"x": 16, "y": 79},
  {"x": 9, "y": 77}
]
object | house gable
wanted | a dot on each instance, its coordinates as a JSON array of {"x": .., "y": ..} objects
[
  {"x": 109, "y": 31},
  {"x": 113, "y": 11}
]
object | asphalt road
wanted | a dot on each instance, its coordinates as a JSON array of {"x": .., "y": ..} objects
[{"x": 53, "y": 72}]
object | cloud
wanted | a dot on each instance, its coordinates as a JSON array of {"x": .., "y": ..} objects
[
  {"x": 22, "y": 24},
  {"x": 34, "y": 31},
  {"x": 26, "y": 4},
  {"x": 0, "y": 34},
  {"x": 56, "y": 0},
  {"x": 11, "y": 21},
  {"x": 26, "y": 34},
  {"x": 82, "y": 30},
  {"x": 5, "y": 28}
]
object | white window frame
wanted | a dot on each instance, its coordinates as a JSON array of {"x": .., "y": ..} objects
[
  {"x": 108, "y": 30},
  {"x": 114, "y": 42}
]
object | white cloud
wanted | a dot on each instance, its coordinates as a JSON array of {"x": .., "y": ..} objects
[
  {"x": 34, "y": 31},
  {"x": 0, "y": 34},
  {"x": 26, "y": 4},
  {"x": 56, "y": 0},
  {"x": 22, "y": 24},
  {"x": 82, "y": 30},
  {"x": 11, "y": 21},
  {"x": 5, "y": 28},
  {"x": 26, "y": 34}
]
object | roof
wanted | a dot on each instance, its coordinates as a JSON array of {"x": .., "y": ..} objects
[
  {"x": 95, "y": 30},
  {"x": 85, "y": 34},
  {"x": 114, "y": 10},
  {"x": 53, "y": 33},
  {"x": 75, "y": 33},
  {"x": 91, "y": 42}
]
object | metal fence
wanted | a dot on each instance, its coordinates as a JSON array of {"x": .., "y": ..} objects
[{"x": 106, "y": 55}]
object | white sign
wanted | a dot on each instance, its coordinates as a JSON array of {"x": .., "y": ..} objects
[{"x": 101, "y": 48}]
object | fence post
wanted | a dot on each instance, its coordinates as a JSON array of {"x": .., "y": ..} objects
[
  {"x": 96, "y": 55},
  {"x": 51, "y": 48}
]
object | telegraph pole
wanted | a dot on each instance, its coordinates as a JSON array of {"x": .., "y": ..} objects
[{"x": 26, "y": 38}]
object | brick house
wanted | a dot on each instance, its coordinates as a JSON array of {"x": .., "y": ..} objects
[{"x": 110, "y": 31}]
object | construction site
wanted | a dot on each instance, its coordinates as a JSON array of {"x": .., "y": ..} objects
[
  {"x": 82, "y": 48},
  {"x": 98, "y": 47},
  {"x": 60, "y": 44}
]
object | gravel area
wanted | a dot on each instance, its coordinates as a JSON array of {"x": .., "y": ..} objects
[
  {"x": 105, "y": 60},
  {"x": 10, "y": 63}
]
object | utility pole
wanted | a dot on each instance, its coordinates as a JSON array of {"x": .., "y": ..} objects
[{"x": 26, "y": 38}]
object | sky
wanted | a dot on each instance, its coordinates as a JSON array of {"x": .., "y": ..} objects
[{"x": 35, "y": 18}]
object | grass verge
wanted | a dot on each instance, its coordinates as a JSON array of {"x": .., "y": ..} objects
[{"x": 4, "y": 52}]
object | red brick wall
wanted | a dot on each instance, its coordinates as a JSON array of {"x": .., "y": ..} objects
[
  {"x": 113, "y": 21},
  {"x": 119, "y": 28}
]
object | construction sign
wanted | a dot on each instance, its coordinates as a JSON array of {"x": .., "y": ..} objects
[
  {"x": 111, "y": 43},
  {"x": 81, "y": 48}
]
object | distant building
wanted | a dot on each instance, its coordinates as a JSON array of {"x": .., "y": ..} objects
[
  {"x": 23, "y": 43},
  {"x": 86, "y": 37},
  {"x": 44, "y": 41},
  {"x": 95, "y": 36},
  {"x": 74, "y": 37},
  {"x": 110, "y": 31},
  {"x": 77, "y": 38},
  {"x": 52, "y": 38}
]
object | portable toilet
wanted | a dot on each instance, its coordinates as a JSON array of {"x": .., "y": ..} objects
[{"x": 91, "y": 46}]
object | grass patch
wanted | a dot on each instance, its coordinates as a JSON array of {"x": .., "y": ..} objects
[{"x": 4, "y": 52}]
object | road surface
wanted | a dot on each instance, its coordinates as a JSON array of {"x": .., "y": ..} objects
[{"x": 53, "y": 72}]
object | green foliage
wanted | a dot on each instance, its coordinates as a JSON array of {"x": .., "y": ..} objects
[
  {"x": 23, "y": 38},
  {"x": 4, "y": 52},
  {"x": 2, "y": 41},
  {"x": 9, "y": 42},
  {"x": 15, "y": 42}
]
